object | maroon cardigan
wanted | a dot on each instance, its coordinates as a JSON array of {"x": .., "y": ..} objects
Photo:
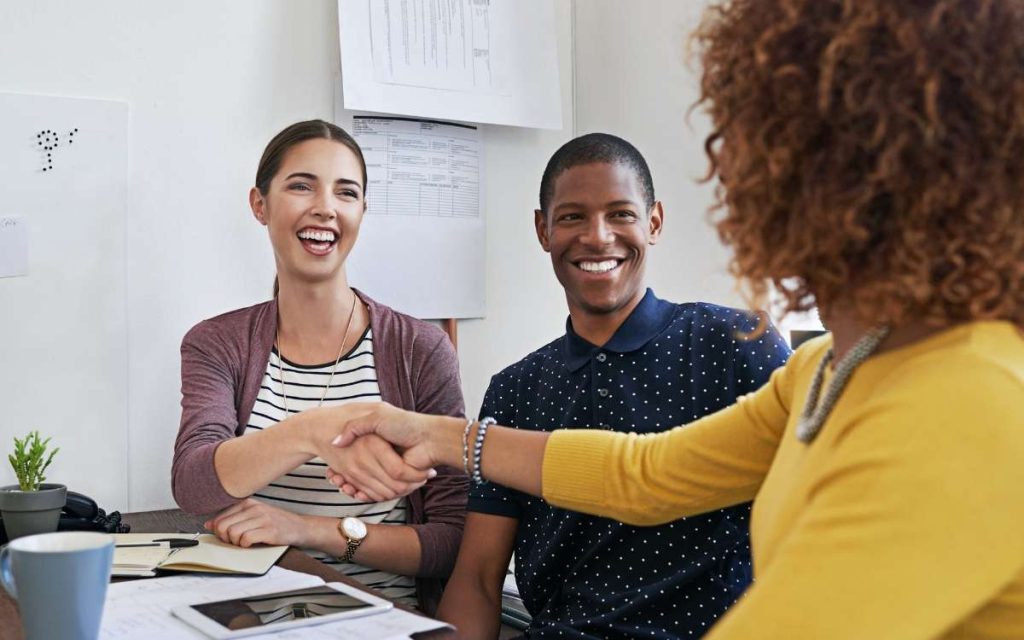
[{"x": 223, "y": 361}]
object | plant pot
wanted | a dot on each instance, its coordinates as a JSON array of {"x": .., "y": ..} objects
[{"x": 29, "y": 512}]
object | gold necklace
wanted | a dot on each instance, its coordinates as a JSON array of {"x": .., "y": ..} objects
[{"x": 341, "y": 350}]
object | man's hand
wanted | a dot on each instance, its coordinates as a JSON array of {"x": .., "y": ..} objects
[{"x": 251, "y": 522}]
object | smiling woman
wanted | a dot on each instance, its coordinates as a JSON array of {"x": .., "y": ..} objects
[
  {"x": 302, "y": 147},
  {"x": 260, "y": 385}
]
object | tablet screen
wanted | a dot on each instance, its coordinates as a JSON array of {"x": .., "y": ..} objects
[{"x": 286, "y": 606}]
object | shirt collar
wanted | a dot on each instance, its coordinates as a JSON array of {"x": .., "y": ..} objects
[{"x": 647, "y": 320}]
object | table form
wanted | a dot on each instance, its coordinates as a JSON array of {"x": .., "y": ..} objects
[{"x": 420, "y": 167}]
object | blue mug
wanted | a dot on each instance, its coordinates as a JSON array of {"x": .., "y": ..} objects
[{"x": 60, "y": 582}]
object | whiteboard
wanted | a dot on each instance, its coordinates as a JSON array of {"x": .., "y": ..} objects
[{"x": 63, "y": 339}]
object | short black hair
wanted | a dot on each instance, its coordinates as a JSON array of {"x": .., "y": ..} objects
[{"x": 589, "y": 149}]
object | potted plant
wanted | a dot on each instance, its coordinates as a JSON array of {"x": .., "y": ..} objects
[{"x": 31, "y": 506}]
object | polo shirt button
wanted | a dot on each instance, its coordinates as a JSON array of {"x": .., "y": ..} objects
[
  {"x": 605, "y": 425},
  {"x": 601, "y": 357},
  {"x": 602, "y": 392}
]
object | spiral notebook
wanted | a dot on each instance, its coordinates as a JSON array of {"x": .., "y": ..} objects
[{"x": 210, "y": 555}]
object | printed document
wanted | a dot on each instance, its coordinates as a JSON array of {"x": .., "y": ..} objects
[
  {"x": 420, "y": 247},
  {"x": 142, "y": 608},
  {"x": 493, "y": 61}
]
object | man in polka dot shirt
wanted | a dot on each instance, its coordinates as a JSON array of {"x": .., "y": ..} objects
[{"x": 629, "y": 362}]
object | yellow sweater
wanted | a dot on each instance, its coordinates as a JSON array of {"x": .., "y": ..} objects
[{"x": 903, "y": 519}]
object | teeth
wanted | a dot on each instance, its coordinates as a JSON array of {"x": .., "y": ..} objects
[
  {"x": 317, "y": 236},
  {"x": 599, "y": 267}
]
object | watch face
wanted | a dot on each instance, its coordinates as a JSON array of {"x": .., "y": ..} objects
[{"x": 354, "y": 528}]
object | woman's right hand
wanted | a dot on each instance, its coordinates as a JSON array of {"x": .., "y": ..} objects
[
  {"x": 425, "y": 441},
  {"x": 411, "y": 434},
  {"x": 371, "y": 463},
  {"x": 415, "y": 435}
]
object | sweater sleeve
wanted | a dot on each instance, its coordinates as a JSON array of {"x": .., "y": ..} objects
[
  {"x": 914, "y": 524},
  {"x": 208, "y": 417},
  {"x": 714, "y": 462},
  {"x": 438, "y": 391}
]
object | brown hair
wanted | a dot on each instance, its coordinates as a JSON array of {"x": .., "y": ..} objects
[
  {"x": 273, "y": 155},
  {"x": 871, "y": 153}
]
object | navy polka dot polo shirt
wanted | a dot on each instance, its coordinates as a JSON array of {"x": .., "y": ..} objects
[{"x": 586, "y": 577}]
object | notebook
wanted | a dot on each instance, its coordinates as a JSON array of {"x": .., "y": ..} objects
[{"x": 209, "y": 556}]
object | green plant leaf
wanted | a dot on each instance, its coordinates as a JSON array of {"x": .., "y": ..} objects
[{"x": 30, "y": 460}]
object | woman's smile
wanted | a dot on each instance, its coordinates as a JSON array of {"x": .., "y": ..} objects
[{"x": 318, "y": 240}]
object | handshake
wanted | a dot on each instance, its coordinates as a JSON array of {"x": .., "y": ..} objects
[
  {"x": 381, "y": 452},
  {"x": 377, "y": 452}
]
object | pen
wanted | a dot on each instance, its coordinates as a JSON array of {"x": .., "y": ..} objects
[
  {"x": 177, "y": 543},
  {"x": 173, "y": 543},
  {"x": 183, "y": 542}
]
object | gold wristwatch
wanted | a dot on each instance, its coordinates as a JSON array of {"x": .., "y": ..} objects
[{"x": 354, "y": 531}]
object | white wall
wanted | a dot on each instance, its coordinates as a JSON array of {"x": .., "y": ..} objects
[
  {"x": 630, "y": 78},
  {"x": 63, "y": 333},
  {"x": 633, "y": 79},
  {"x": 209, "y": 82},
  {"x": 636, "y": 75},
  {"x": 525, "y": 305}
]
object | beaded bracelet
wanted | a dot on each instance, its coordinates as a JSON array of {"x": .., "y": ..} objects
[
  {"x": 465, "y": 445},
  {"x": 478, "y": 447}
]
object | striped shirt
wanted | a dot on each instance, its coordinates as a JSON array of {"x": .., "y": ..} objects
[{"x": 305, "y": 490}]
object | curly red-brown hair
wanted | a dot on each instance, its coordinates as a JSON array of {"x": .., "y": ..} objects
[{"x": 871, "y": 154}]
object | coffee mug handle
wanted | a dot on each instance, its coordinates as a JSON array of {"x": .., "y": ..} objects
[{"x": 6, "y": 576}]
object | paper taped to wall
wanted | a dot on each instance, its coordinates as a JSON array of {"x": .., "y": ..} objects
[
  {"x": 479, "y": 61},
  {"x": 420, "y": 247},
  {"x": 13, "y": 246}
]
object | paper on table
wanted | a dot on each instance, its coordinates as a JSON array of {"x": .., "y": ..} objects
[
  {"x": 13, "y": 246},
  {"x": 142, "y": 608},
  {"x": 388, "y": 626}
]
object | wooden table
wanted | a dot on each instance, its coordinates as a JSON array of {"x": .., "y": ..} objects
[{"x": 173, "y": 520}]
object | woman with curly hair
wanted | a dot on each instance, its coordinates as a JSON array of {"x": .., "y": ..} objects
[{"x": 871, "y": 162}]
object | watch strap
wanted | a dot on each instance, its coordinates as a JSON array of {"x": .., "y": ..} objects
[{"x": 352, "y": 544}]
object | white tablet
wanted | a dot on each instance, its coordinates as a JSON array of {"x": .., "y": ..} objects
[{"x": 269, "y": 612}]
